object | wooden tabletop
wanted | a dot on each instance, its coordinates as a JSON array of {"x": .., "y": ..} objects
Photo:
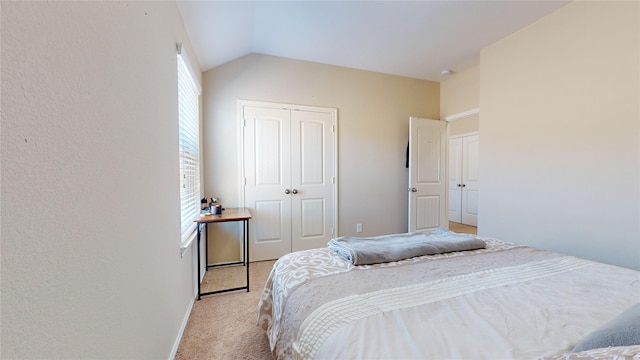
[{"x": 228, "y": 214}]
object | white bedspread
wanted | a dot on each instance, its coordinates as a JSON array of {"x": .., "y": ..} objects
[{"x": 503, "y": 302}]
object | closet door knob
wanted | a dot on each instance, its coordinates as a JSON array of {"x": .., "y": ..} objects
[
  {"x": 464, "y": 185},
  {"x": 413, "y": 189},
  {"x": 459, "y": 185},
  {"x": 287, "y": 191},
  {"x": 295, "y": 191}
]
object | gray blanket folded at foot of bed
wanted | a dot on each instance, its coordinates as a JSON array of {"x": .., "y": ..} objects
[{"x": 387, "y": 248}]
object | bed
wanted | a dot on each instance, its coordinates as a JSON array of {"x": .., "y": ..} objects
[{"x": 498, "y": 301}]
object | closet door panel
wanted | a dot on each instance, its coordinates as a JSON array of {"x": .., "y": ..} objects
[
  {"x": 312, "y": 176},
  {"x": 312, "y": 160},
  {"x": 470, "y": 146},
  {"x": 455, "y": 180},
  {"x": 271, "y": 220},
  {"x": 267, "y": 173},
  {"x": 312, "y": 215}
]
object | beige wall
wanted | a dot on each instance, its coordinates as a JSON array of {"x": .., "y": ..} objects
[
  {"x": 560, "y": 164},
  {"x": 464, "y": 126},
  {"x": 91, "y": 265},
  {"x": 373, "y": 113},
  {"x": 460, "y": 92}
]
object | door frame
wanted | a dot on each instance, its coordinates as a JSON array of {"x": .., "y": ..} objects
[
  {"x": 464, "y": 135},
  {"x": 241, "y": 103}
]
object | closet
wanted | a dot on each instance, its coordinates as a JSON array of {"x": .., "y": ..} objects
[
  {"x": 463, "y": 179},
  {"x": 288, "y": 176}
]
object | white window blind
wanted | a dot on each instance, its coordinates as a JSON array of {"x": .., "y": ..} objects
[{"x": 189, "y": 143}]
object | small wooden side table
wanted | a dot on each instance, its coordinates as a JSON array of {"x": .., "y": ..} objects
[{"x": 233, "y": 214}]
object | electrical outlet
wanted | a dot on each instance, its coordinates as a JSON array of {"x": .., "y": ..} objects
[{"x": 359, "y": 228}]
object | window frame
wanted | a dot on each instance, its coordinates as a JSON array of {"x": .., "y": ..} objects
[{"x": 188, "y": 148}]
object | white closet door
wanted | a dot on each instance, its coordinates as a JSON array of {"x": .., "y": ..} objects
[
  {"x": 427, "y": 174},
  {"x": 455, "y": 180},
  {"x": 289, "y": 158},
  {"x": 268, "y": 175},
  {"x": 470, "y": 180},
  {"x": 311, "y": 179}
]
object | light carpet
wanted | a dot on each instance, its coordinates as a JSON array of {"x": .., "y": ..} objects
[{"x": 224, "y": 326}]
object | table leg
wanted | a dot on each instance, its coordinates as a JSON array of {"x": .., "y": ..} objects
[
  {"x": 198, "y": 252},
  {"x": 246, "y": 246},
  {"x": 206, "y": 247}
]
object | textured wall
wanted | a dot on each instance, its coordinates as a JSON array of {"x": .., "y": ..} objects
[
  {"x": 559, "y": 164},
  {"x": 91, "y": 264}
]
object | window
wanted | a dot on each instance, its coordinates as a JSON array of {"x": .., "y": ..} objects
[{"x": 189, "y": 144}]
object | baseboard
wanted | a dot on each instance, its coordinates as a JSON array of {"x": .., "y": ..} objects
[
  {"x": 183, "y": 326},
  {"x": 194, "y": 296}
]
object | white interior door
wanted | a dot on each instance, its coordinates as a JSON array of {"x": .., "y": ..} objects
[
  {"x": 312, "y": 179},
  {"x": 267, "y": 174},
  {"x": 470, "y": 180},
  {"x": 455, "y": 179},
  {"x": 427, "y": 174}
]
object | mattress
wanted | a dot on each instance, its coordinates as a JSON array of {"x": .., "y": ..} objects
[{"x": 505, "y": 301}]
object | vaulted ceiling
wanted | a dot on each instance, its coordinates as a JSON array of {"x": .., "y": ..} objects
[{"x": 416, "y": 39}]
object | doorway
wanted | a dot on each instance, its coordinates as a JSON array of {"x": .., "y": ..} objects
[{"x": 463, "y": 179}]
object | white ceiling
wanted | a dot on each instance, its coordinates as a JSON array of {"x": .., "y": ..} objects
[{"x": 417, "y": 39}]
